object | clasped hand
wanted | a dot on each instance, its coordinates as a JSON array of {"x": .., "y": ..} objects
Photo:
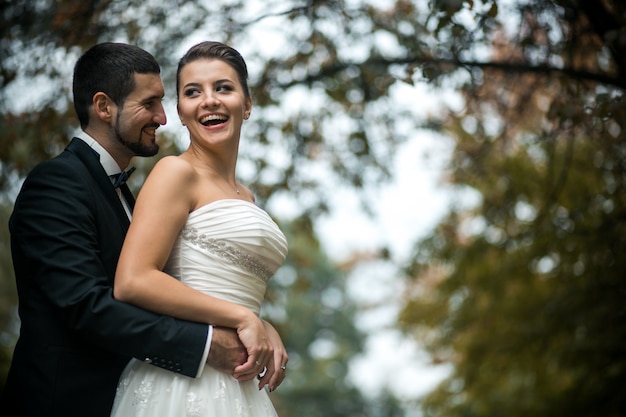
[{"x": 254, "y": 350}]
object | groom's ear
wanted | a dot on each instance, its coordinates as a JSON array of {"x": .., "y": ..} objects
[{"x": 103, "y": 106}]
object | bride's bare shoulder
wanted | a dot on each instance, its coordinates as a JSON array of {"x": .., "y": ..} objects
[{"x": 173, "y": 166}]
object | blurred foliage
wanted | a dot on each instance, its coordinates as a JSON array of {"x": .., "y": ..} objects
[
  {"x": 522, "y": 292},
  {"x": 8, "y": 307},
  {"x": 307, "y": 303}
]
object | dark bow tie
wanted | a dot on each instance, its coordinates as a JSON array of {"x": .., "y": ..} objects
[{"x": 122, "y": 177}]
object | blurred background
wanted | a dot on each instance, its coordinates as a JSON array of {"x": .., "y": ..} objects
[{"x": 450, "y": 174}]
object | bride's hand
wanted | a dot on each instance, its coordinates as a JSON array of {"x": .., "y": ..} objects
[
  {"x": 276, "y": 368},
  {"x": 254, "y": 337}
]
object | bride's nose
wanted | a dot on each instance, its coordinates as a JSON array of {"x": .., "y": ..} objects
[{"x": 211, "y": 100}]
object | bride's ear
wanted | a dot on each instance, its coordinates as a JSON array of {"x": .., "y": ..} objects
[
  {"x": 180, "y": 116},
  {"x": 248, "y": 108}
]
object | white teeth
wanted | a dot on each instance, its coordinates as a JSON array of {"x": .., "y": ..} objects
[{"x": 212, "y": 117}]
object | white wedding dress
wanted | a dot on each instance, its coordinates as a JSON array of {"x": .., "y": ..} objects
[{"x": 228, "y": 249}]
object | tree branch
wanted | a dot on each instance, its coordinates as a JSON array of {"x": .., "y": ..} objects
[{"x": 510, "y": 67}]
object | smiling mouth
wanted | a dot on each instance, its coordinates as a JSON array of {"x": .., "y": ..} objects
[
  {"x": 213, "y": 119},
  {"x": 151, "y": 129}
]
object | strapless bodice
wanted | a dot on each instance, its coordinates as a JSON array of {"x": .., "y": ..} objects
[{"x": 228, "y": 249}]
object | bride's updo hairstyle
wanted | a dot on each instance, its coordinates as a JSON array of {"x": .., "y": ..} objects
[{"x": 216, "y": 50}]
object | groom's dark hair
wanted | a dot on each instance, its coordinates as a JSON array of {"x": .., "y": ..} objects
[{"x": 109, "y": 68}]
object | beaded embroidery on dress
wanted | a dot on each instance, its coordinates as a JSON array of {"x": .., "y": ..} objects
[{"x": 228, "y": 249}]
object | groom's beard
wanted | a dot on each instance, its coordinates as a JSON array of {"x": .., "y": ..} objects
[{"x": 138, "y": 147}]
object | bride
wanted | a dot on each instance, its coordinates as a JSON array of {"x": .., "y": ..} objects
[{"x": 195, "y": 222}]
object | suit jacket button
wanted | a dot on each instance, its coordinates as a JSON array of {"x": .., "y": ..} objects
[{"x": 147, "y": 360}]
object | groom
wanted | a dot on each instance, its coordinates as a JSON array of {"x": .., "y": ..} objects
[{"x": 67, "y": 230}]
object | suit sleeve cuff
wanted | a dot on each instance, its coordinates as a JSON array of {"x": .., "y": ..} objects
[{"x": 205, "y": 355}]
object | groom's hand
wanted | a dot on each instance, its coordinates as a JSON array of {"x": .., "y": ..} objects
[{"x": 227, "y": 351}]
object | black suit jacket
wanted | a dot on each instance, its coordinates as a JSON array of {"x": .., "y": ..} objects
[{"x": 67, "y": 230}]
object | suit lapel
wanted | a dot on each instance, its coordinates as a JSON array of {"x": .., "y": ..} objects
[
  {"x": 90, "y": 159},
  {"x": 128, "y": 195}
]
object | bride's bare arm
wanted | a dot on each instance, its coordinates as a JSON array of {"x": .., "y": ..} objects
[{"x": 161, "y": 210}]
